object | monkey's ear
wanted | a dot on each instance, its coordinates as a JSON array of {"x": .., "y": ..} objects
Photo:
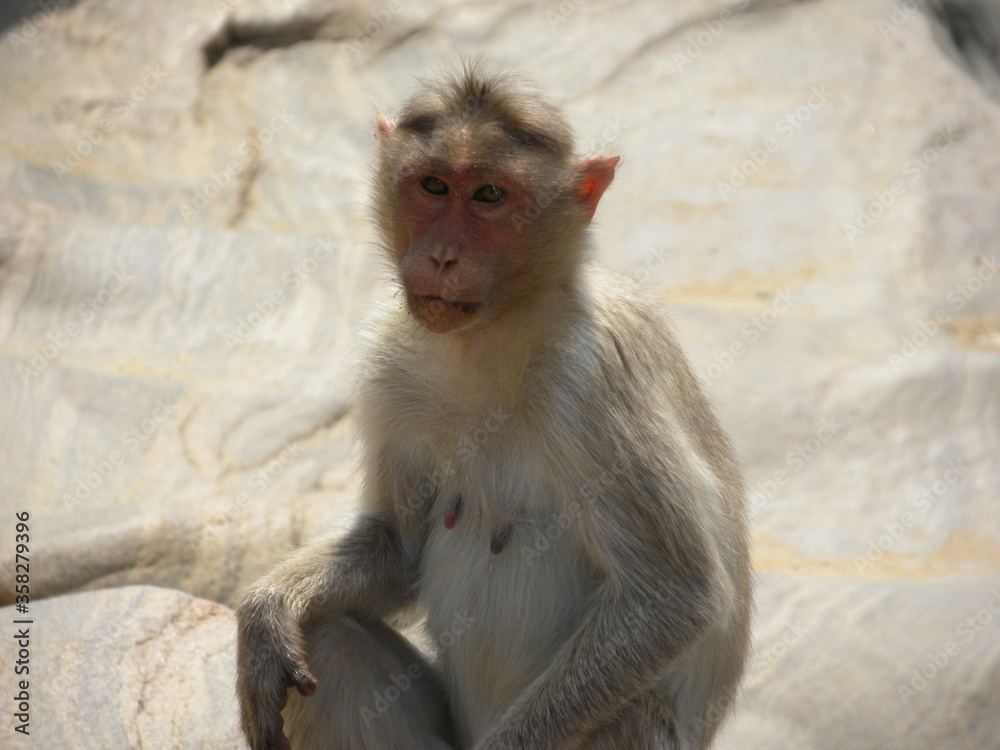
[
  {"x": 384, "y": 129},
  {"x": 596, "y": 174}
]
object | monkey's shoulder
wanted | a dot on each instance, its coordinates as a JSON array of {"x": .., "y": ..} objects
[
  {"x": 625, "y": 342},
  {"x": 630, "y": 380}
]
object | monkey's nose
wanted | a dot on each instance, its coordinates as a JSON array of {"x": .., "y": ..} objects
[
  {"x": 445, "y": 255},
  {"x": 442, "y": 261}
]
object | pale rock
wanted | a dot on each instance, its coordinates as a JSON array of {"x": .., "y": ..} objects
[
  {"x": 892, "y": 665},
  {"x": 811, "y": 188},
  {"x": 135, "y": 667}
]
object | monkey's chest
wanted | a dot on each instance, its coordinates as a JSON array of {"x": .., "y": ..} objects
[{"x": 504, "y": 587}]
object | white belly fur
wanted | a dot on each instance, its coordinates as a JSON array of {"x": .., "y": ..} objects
[{"x": 496, "y": 638}]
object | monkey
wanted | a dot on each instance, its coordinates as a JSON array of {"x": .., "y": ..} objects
[{"x": 543, "y": 481}]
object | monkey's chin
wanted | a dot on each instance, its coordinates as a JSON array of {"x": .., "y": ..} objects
[{"x": 439, "y": 315}]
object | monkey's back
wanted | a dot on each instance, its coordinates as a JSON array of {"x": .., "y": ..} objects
[{"x": 672, "y": 413}]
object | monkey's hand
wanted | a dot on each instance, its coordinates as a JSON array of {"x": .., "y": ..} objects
[{"x": 269, "y": 660}]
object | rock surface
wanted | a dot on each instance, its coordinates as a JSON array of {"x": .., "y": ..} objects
[
  {"x": 894, "y": 665},
  {"x": 811, "y": 186},
  {"x": 132, "y": 667}
]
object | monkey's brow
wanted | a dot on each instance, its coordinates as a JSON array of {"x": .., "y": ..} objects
[
  {"x": 422, "y": 123},
  {"x": 528, "y": 137},
  {"x": 518, "y": 132},
  {"x": 444, "y": 167}
]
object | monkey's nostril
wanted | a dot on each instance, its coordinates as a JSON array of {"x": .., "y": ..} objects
[{"x": 443, "y": 259}]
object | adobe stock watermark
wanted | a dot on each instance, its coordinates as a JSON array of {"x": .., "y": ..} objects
[
  {"x": 545, "y": 538},
  {"x": 383, "y": 701},
  {"x": 762, "y": 660},
  {"x": 901, "y": 14},
  {"x": 380, "y": 19},
  {"x": 706, "y": 34},
  {"x": 121, "y": 108},
  {"x": 42, "y": 356},
  {"x": 250, "y": 150},
  {"x": 957, "y": 298},
  {"x": 469, "y": 445},
  {"x": 800, "y": 456},
  {"x": 224, "y": 8},
  {"x": 785, "y": 127},
  {"x": 922, "y": 503},
  {"x": 750, "y": 332},
  {"x": 258, "y": 481},
  {"x": 265, "y": 307},
  {"x": 639, "y": 615},
  {"x": 131, "y": 441},
  {"x": 611, "y": 130},
  {"x": 655, "y": 260},
  {"x": 937, "y": 661},
  {"x": 558, "y": 15},
  {"x": 32, "y": 25},
  {"x": 913, "y": 170}
]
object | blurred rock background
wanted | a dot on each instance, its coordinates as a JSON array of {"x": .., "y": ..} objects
[{"x": 813, "y": 187}]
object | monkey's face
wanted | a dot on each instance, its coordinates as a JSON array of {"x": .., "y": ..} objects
[
  {"x": 461, "y": 250},
  {"x": 481, "y": 216}
]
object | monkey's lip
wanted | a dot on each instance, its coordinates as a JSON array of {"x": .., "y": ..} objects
[{"x": 466, "y": 307}]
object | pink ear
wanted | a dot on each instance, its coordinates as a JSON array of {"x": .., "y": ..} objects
[
  {"x": 383, "y": 128},
  {"x": 596, "y": 174}
]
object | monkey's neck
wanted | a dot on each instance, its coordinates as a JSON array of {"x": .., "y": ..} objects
[{"x": 490, "y": 364}]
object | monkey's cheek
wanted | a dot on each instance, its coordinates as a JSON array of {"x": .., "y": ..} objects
[{"x": 437, "y": 316}]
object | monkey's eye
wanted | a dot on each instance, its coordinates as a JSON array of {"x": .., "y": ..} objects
[
  {"x": 434, "y": 186},
  {"x": 488, "y": 194}
]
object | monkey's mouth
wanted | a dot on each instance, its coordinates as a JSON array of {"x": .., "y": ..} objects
[
  {"x": 440, "y": 315},
  {"x": 466, "y": 307}
]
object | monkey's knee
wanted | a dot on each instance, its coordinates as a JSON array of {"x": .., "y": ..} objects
[
  {"x": 375, "y": 692},
  {"x": 645, "y": 724}
]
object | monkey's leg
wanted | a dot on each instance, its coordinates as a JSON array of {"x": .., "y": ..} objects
[
  {"x": 645, "y": 724},
  {"x": 375, "y": 691}
]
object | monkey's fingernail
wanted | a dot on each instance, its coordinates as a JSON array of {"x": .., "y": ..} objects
[
  {"x": 500, "y": 536},
  {"x": 451, "y": 514}
]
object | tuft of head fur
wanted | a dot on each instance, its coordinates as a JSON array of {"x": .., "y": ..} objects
[
  {"x": 475, "y": 97},
  {"x": 478, "y": 116}
]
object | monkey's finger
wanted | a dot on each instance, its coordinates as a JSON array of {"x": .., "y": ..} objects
[
  {"x": 306, "y": 687},
  {"x": 269, "y": 733},
  {"x": 280, "y": 742},
  {"x": 267, "y": 724},
  {"x": 278, "y": 739},
  {"x": 302, "y": 680},
  {"x": 272, "y": 742}
]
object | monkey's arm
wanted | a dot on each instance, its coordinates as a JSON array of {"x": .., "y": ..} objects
[
  {"x": 664, "y": 586},
  {"x": 366, "y": 574}
]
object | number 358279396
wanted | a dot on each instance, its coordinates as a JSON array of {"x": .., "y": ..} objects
[{"x": 22, "y": 568}]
